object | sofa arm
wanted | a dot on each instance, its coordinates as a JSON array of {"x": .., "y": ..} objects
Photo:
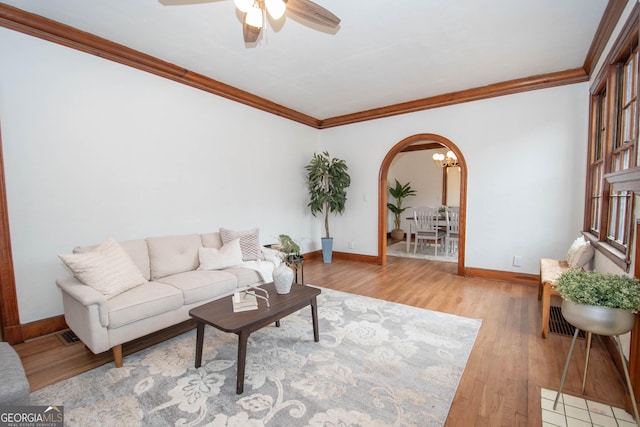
[{"x": 86, "y": 296}]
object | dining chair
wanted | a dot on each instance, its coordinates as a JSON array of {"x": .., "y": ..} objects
[
  {"x": 427, "y": 228},
  {"x": 453, "y": 231},
  {"x": 410, "y": 217}
]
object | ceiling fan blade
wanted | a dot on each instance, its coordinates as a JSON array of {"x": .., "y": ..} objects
[
  {"x": 250, "y": 32},
  {"x": 312, "y": 12}
]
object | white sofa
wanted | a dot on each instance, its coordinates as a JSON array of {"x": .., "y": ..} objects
[{"x": 173, "y": 286}]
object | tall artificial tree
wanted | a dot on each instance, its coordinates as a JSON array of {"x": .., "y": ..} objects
[{"x": 327, "y": 180}]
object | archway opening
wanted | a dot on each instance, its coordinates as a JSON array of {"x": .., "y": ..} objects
[{"x": 418, "y": 139}]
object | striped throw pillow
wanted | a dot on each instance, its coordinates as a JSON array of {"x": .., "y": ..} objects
[
  {"x": 249, "y": 242},
  {"x": 108, "y": 268}
]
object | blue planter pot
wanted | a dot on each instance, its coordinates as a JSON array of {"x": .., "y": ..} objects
[{"x": 327, "y": 249}]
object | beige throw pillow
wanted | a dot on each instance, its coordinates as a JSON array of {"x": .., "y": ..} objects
[
  {"x": 249, "y": 242},
  {"x": 228, "y": 255},
  {"x": 107, "y": 268},
  {"x": 580, "y": 253}
]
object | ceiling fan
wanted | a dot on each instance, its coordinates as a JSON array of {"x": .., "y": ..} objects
[{"x": 255, "y": 13}]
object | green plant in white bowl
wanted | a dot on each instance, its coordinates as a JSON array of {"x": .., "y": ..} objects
[
  {"x": 602, "y": 304},
  {"x": 597, "y": 289}
]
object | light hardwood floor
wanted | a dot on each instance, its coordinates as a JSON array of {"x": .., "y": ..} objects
[{"x": 509, "y": 363}]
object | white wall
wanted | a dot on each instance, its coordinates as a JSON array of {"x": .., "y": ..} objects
[
  {"x": 453, "y": 185},
  {"x": 93, "y": 149},
  {"x": 526, "y": 156}
]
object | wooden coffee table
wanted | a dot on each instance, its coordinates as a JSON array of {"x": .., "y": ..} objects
[{"x": 220, "y": 315}]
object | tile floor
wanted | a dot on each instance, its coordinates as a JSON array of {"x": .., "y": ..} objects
[{"x": 577, "y": 412}]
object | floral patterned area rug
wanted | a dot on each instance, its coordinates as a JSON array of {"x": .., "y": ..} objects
[{"x": 377, "y": 364}]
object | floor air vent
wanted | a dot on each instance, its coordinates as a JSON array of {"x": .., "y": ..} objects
[
  {"x": 559, "y": 325},
  {"x": 68, "y": 337}
]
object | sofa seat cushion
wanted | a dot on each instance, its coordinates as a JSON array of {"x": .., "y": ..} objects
[
  {"x": 201, "y": 285},
  {"x": 142, "y": 302},
  {"x": 245, "y": 276}
]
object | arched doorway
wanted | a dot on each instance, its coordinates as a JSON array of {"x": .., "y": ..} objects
[{"x": 382, "y": 193}]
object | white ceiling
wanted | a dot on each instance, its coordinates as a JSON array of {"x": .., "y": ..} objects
[{"x": 384, "y": 52}]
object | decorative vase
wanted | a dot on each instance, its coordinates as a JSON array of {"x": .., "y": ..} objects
[
  {"x": 327, "y": 249},
  {"x": 597, "y": 319},
  {"x": 283, "y": 278}
]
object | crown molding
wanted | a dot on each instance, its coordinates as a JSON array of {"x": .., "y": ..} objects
[
  {"x": 47, "y": 29},
  {"x": 542, "y": 81},
  {"x": 50, "y": 30}
]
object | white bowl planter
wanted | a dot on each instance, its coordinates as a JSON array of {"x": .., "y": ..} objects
[
  {"x": 602, "y": 321},
  {"x": 598, "y": 320}
]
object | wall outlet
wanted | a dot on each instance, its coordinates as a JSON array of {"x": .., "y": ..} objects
[
  {"x": 350, "y": 245},
  {"x": 517, "y": 261}
]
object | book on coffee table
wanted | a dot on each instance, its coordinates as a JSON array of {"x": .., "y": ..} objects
[{"x": 244, "y": 301}]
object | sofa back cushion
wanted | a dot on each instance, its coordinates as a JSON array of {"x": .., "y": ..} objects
[
  {"x": 137, "y": 250},
  {"x": 173, "y": 254},
  {"x": 212, "y": 240}
]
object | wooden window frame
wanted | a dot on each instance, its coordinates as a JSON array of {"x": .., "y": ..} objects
[{"x": 608, "y": 220}]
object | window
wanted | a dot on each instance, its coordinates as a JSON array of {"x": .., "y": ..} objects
[
  {"x": 612, "y": 149},
  {"x": 596, "y": 159},
  {"x": 623, "y": 154}
]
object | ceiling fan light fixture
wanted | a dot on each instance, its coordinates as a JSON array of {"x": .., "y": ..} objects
[
  {"x": 276, "y": 8},
  {"x": 243, "y": 5},
  {"x": 254, "y": 17}
]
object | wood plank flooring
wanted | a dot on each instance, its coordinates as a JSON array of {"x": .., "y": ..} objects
[{"x": 509, "y": 363}]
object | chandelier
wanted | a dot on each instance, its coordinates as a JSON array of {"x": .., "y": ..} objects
[{"x": 447, "y": 161}]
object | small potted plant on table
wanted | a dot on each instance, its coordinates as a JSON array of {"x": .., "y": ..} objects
[{"x": 290, "y": 249}]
